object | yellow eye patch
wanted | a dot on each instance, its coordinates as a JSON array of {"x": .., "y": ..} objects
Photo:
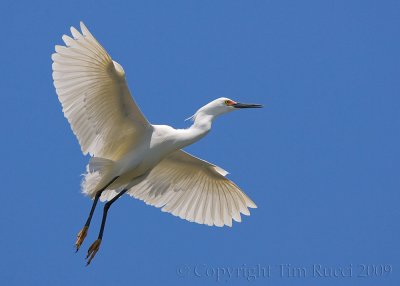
[{"x": 229, "y": 102}]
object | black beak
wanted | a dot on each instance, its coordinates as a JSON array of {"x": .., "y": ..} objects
[{"x": 246, "y": 105}]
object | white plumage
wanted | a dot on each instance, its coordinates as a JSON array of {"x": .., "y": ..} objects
[{"x": 146, "y": 158}]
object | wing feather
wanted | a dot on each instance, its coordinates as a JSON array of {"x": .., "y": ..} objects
[
  {"x": 193, "y": 189},
  {"x": 95, "y": 97}
]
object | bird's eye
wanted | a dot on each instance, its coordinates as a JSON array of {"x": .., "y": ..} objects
[{"x": 227, "y": 102}]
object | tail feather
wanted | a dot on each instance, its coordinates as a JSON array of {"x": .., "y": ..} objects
[
  {"x": 97, "y": 164},
  {"x": 95, "y": 171}
]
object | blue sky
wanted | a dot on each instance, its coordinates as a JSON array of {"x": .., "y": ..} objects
[{"x": 321, "y": 160}]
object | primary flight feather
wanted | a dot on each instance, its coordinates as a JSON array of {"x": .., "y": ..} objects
[{"x": 132, "y": 156}]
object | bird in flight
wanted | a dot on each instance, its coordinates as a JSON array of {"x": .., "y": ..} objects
[{"x": 129, "y": 155}]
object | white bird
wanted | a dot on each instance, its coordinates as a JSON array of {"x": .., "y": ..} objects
[{"x": 130, "y": 155}]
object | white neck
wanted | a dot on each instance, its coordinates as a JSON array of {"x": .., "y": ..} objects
[{"x": 200, "y": 127}]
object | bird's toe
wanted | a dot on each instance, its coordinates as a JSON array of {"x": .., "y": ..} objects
[
  {"x": 92, "y": 251},
  {"x": 81, "y": 237}
]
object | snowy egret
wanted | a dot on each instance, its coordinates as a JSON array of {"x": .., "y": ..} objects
[{"x": 130, "y": 155}]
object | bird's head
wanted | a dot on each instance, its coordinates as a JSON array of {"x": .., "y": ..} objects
[
  {"x": 229, "y": 104},
  {"x": 222, "y": 105}
]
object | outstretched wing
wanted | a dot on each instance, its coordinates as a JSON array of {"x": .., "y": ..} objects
[
  {"x": 95, "y": 97},
  {"x": 193, "y": 189}
]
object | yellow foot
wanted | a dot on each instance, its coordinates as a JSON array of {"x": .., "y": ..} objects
[
  {"x": 81, "y": 237},
  {"x": 93, "y": 250}
]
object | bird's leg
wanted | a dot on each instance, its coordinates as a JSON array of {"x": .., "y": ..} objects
[
  {"x": 83, "y": 232},
  {"x": 96, "y": 245}
]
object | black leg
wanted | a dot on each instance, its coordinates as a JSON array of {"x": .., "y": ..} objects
[
  {"x": 105, "y": 212},
  {"x": 83, "y": 232},
  {"x": 96, "y": 245},
  {"x": 96, "y": 199}
]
